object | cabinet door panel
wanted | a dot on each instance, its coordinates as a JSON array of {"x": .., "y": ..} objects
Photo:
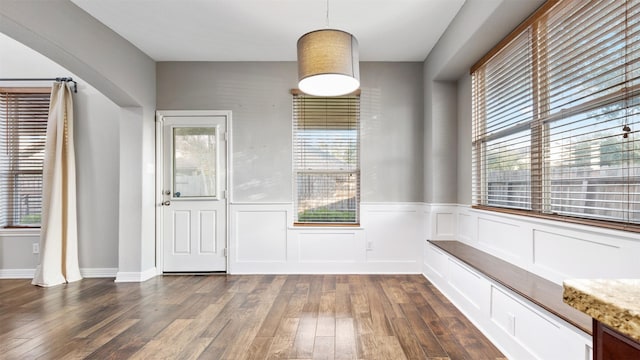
[{"x": 610, "y": 344}]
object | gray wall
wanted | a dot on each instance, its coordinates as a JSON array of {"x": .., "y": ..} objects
[
  {"x": 441, "y": 140},
  {"x": 69, "y": 36},
  {"x": 258, "y": 94},
  {"x": 478, "y": 26},
  {"x": 97, "y": 157},
  {"x": 97, "y": 172}
]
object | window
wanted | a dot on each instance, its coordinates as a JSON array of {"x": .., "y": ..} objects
[
  {"x": 326, "y": 159},
  {"x": 556, "y": 115},
  {"x": 23, "y": 129}
]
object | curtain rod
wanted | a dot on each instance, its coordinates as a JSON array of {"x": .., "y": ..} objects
[{"x": 65, "y": 79}]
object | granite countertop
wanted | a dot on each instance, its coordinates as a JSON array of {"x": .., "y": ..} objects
[{"x": 615, "y": 303}]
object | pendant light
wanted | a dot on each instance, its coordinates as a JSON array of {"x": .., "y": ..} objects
[{"x": 328, "y": 62}]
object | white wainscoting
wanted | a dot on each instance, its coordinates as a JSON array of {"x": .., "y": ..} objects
[
  {"x": 554, "y": 250},
  {"x": 520, "y": 329},
  {"x": 264, "y": 240},
  {"x": 551, "y": 249},
  {"x": 258, "y": 238}
]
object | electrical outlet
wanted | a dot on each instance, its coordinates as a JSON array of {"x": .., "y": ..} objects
[
  {"x": 369, "y": 245},
  {"x": 36, "y": 248}
]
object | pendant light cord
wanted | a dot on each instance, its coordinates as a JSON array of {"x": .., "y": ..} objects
[{"x": 327, "y": 14}]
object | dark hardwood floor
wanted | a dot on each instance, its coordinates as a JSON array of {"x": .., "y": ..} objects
[{"x": 237, "y": 317}]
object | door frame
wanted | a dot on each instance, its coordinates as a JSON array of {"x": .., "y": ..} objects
[{"x": 160, "y": 116}]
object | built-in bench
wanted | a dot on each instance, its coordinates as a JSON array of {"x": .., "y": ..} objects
[{"x": 540, "y": 291}]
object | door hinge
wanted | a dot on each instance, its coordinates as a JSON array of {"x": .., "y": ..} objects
[
  {"x": 225, "y": 252},
  {"x": 226, "y": 136}
]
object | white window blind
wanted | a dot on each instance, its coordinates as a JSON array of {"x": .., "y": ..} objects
[
  {"x": 326, "y": 159},
  {"x": 23, "y": 128},
  {"x": 502, "y": 132},
  {"x": 572, "y": 134}
]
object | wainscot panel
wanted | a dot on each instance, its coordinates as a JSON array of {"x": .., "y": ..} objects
[
  {"x": 467, "y": 283},
  {"x": 565, "y": 254},
  {"x": 258, "y": 237},
  {"x": 443, "y": 221},
  {"x": 504, "y": 239},
  {"x": 537, "y": 333},
  {"x": 391, "y": 232},
  {"x": 264, "y": 240},
  {"x": 465, "y": 227}
]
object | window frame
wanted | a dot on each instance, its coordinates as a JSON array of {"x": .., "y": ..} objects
[
  {"x": 540, "y": 177},
  {"x": 296, "y": 99}
]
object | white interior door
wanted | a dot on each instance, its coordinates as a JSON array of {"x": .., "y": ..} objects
[{"x": 194, "y": 193}]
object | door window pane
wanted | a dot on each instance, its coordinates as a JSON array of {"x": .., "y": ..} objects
[{"x": 194, "y": 162}]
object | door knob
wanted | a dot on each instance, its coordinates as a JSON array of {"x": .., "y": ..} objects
[{"x": 166, "y": 203}]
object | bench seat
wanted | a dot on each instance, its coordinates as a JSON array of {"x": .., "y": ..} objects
[{"x": 540, "y": 291}]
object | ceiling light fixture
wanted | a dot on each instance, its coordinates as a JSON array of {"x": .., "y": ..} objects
[{"x": 328, "y": 62}]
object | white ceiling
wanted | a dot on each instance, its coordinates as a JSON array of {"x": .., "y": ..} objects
[{"x": 267, "y": 30}]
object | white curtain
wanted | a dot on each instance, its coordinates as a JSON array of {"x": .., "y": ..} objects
[{"x": 59, "y": 230}]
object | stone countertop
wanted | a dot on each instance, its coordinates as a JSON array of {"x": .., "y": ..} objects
[{"x": 615, "y": 303}]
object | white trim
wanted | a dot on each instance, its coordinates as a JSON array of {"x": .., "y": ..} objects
[
  {"x": 324, "y": 228},
  {"x": 98, "y": 272},
  {"x": 371, "y": 268},
  {"x": 17, "y": 273},
  {"x": 158, "y": 194},
  {"x": 85, "y": 272},
  {"x": 160, "y": 115},
  {"x": 442, "y": 204},
  {"x": 20, "y": 232},
  {"x": 249, "y": 203},
  {"x": 136, "y": 276},
  {"x": 392, "y": 203}
]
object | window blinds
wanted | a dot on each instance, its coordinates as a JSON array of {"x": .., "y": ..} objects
[
  {"x": 569, "y": 127},
  {"x": 326, "y": 158},
  {"x": 503, "y": 102},
  {"x": 23, "y": 128},
  {"x": 592, "y": 160}
]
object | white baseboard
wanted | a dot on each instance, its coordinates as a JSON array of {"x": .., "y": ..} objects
[
  {"x": 17, "y": 273},
  {"x": 98, "y": 272},
  {"x": 85, "y": 272},
  {"x": 123, "y": 276},
  {"x": 323, "y": 268}
]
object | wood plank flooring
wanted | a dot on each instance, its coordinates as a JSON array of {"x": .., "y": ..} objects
[{"x": 237, "y": 317}]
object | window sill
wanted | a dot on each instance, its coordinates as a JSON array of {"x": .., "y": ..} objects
[
  {"x": 20, "y": 232},
  {"x": 327, "y": 226}
]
